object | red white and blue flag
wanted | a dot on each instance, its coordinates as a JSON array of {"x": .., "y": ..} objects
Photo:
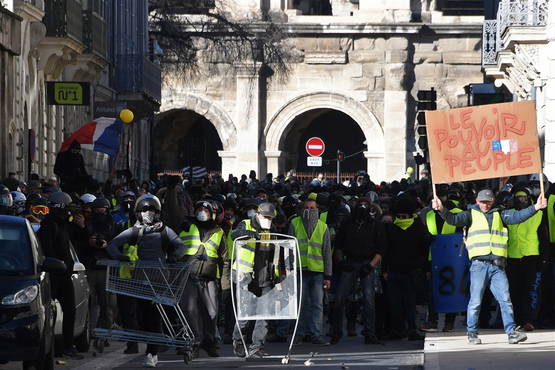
[{"x": 100, "y": 135}]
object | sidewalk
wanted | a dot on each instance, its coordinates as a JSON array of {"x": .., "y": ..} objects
[{"x": 451, "y": 351}]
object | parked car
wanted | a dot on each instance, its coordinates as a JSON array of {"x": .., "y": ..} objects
[
  {"x": 81, "y": 292},
  {"x": 27, "y": 311}
]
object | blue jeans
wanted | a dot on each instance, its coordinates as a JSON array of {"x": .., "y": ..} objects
[
  {"x": 312, "y": 305},
  {"x": 481, "y": 275},
  {"x": 347, "y": 284}
]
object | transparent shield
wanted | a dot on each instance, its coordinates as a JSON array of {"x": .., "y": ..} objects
[{"x": 278, "y": 301}]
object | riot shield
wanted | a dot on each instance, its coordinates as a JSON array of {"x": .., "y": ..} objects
[{"x": 278, "y": 298}]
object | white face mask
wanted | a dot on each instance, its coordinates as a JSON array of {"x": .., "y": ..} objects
[
  {"x": 251, "y": 213},
  {"x": 265, "y": 223},
  {"x": 148, "y": 217},
  {"x": 202, "y": 216}
]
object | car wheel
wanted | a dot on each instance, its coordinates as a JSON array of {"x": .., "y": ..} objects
[{"x": 83, "y": 341}]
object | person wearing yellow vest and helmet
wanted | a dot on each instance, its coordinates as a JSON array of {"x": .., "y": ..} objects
[
  {"x": 527, "y": 242},
  {"x": 227, "y": 224},
  {"x": 486, "y": 243},
  {"x": 437, "y": 226},
  {"x": 260, "y": 273},
  {"x": 205, "y": 248},
  {"x": 148, "y": 240},
  {"x": 315, "y": 246}
]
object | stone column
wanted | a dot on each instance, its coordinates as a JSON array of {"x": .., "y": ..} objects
[
  {"x": 549, "y": 113},
  {"x": 248, "y": 117},
  {"x": 376, "y": 166},
  {"x": 395, "y": 108},
  {"x": 274, "y": 162},
  {"x": 385, "y": 10},
  {"x": 228, "y": 163}
]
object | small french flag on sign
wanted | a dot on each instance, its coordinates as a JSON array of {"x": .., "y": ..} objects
[{"x": 101, "y": 135}]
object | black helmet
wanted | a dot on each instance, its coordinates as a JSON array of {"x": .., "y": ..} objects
[
  {"x": 206, "y": 204},
  {"x": 59, "y": 199},
  {"x": 148, "y": 202},
  {"x": 36, "y": 198},
  {"x": 101, "y": 203}
]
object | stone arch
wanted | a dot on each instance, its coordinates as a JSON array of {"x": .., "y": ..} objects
[
  {"x": 281, "y": 123},
  {"x": 211, "y": 111}
]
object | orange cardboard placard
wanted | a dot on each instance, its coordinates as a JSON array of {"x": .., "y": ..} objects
[{"x": 481, "y": 142}]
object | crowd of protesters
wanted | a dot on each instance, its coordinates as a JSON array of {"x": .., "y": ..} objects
[{"x": 371, "y": 271}]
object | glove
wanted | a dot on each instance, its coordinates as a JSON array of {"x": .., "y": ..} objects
[
  {"x": 252, "y": 234},
  {"x": 123, "y": 258}
]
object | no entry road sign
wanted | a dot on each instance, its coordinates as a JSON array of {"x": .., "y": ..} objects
[{"x": 315, "y": 146}]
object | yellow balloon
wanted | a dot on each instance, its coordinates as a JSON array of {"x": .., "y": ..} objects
[
  {"x": 410, "y": 170},
  {"x": 126, "y": 116}
]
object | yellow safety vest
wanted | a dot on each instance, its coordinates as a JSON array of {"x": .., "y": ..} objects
[
  {"x": 324, "y": 217},
  {"x": 192, "y": 242},
  {"x": 432, "y": 224},
  {"x": 480, "y": 241},
  {"x": 523, "y": 237},
  {"x": 131, "y": 251},
  {"x": 311, "y": 249},
  {"x": 245, "y": 255},
  {"x": 551, "y": 217}
]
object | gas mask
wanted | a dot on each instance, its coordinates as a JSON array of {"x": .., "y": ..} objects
[
  {"x": 149, "y": 217},
  {"x": 202, "y": 216},
  {"x": 265, "y": 223}
]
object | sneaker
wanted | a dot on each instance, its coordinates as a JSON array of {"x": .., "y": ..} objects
[
  {"x": 517, "y": 337},
  {"x": 335, "y": 339},
  {"x": 429, "y": 327},
  {"x": 238, "y": 349},
  {"x": 259, "y": 353},
  {"x": 528, "y": 327},
  {"x": 372, "y": 339},
  {"x": 151, "y": 360},
  {"x": 132, "y": 348},
  {"x": 473, "y": 338},
  {"x": 274, "y": 338},
  {"x": 72, "y": 353},
  {"x": 320, "y": 341}
]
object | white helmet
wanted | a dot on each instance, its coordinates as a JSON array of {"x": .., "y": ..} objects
[{"x": 87, "y": 198}]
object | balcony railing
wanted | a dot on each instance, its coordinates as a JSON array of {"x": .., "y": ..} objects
[
  {"x": 94, "y": 33},
  {"x": 39, "y": 4},
  {"x": 137, "y": 74},
  {"x": 511, "y": 13},
  {"x": 64, "y": 18}
]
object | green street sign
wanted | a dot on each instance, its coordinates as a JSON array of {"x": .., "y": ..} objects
[{"x": 68, "y": 93}]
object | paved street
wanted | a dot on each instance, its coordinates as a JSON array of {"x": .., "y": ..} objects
[{"x": 350, "y": 353}]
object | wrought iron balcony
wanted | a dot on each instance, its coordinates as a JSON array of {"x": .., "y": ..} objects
[
  {"x": 511, "y": 13},
  {"x": 94, "y": 33},
  {"x": 64, "y": 18},
  {"x": 137, "y": 74}
]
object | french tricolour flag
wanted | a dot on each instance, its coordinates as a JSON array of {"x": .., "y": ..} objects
[{"x": 100, "y": 135}]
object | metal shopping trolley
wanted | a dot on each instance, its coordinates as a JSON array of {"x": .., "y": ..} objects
[
  {"x": 163, "y": 285},
  {"x": 283, "y": 301}
]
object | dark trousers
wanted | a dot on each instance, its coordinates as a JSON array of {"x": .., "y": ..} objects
[
  {"x": 106, "y": 301},
  {"x": 402, "y": 301},
  {"x": 138, "y": 314},
  {"x": 63, "y": 291},
  {"x": 200, "y": 304},
  {"x": 521, "y": 273}
]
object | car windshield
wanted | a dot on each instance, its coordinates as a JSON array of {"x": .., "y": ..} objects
[{"x": 15, "y": 253}]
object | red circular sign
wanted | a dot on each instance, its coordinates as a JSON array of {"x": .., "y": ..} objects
[{"x": 315, "y": 146}]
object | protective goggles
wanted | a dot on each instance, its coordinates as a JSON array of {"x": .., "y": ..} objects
[{"x": 40, "y": 210}]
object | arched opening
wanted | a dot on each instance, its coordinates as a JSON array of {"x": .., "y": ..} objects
[
  {"x": 184, "y": 138},
  {"x": 338, "y": 131}
]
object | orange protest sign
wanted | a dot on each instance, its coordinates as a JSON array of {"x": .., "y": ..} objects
[{"x": 487, "y": 141}]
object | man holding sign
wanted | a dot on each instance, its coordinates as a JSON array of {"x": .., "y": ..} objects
[{"x": 487, "y": 249}]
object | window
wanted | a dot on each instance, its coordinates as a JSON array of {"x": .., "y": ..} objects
[{"x": 15, "y": 251}]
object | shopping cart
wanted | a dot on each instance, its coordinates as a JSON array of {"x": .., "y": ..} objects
[{"x": 163, "y": 285}]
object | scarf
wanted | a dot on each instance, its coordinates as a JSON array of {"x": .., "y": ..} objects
[{"x": 405, "y": 223}]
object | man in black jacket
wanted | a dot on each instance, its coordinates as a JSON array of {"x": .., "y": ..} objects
[
  {"x": 70, "y": 167},
  {"x": 55, "y": 242},
  {"x": 205, "y": 248},
  {"x": 359, "y": 246}
]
